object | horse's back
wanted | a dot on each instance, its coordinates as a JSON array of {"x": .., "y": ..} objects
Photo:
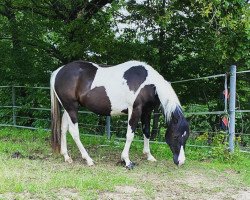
[
  {"x": 103, "y": 90},
  {"x": 122, "y": 83}
]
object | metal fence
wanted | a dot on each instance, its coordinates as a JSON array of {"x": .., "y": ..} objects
[{"x": 29, "y": 107}]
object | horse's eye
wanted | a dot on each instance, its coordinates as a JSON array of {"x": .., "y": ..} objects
[{"x": 176, "y": 137}]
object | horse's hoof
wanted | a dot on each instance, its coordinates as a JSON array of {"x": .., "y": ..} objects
[
  {"x": 69, "y": 160},
  {"x": 130, "y": 166},
  {"x": 90, "y": 163},
  {"x": 121, "y": 162},
  {"x": 151, "y": 159}
]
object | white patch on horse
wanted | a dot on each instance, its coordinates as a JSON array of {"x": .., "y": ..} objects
[
  {"x": 121, "y": 97},
  {"x": 181, "y": 157},
  {"x": 184, "y": 134}
]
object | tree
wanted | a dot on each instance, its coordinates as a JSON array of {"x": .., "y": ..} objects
[{"x": 37, "y": 36}]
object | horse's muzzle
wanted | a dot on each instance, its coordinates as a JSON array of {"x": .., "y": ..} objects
[{"x": 178, "y": 162}]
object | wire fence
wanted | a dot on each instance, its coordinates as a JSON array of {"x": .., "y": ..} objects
[{"x": 29, "y": 107}]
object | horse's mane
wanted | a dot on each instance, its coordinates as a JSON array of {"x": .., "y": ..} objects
[{"x": 168, "y": 98}]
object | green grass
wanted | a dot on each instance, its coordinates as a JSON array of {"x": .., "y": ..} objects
[{"x": 39, "y": 174}]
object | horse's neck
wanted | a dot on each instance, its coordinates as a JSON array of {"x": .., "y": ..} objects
[{"x": 168, "y": 97}]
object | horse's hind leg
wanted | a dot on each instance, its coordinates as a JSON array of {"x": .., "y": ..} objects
[
  {"x": 64, "y": 129},
  {"x": 74, "y": 131}
]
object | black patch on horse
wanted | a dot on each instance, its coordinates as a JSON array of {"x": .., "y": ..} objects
[
  {"x": 102, "y": 105},
  {"x": 73, "y": 81},
  {"x": 135, "y": 76},
  {"x": 145, "y": 102}
]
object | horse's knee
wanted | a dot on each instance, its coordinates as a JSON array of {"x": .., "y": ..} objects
[
  {"x": 74, "y": 132},
  {"x": 146, "y": 133},
  {"x": 130, "y": 136}
]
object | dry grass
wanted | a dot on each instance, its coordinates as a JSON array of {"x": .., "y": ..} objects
[{"x": 37, "y": 174}]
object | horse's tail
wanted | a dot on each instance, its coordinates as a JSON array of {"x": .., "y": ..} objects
[{"x": 55, "y": 115}]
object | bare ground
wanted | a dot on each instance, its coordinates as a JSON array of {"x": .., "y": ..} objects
[
  {"x": 152, "y": 181},
  {"x": 159, "y": 180},
  {"x": 190, "y": 186},
  {"x": 173, "y": 183}
]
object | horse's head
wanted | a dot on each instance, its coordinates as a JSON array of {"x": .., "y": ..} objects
[{"x": 177, "y": 135}]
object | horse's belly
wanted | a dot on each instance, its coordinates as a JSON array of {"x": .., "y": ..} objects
[
  {"x": 103, "y": 101},
  {"x": 120, "y": 100},
  {"x": 118, "y": 112}
]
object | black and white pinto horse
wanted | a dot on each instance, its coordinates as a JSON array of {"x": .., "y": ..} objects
[{"x": 132, "y": 88}]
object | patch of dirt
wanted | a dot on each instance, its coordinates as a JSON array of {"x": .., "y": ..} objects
[
  {"x": 242, "y": 195},
  {"x": 68, "y": 194},
  {"x": 124, "y": 193},
  {"x": 191, "y": 185},
  {"x": 35, "y": 156},
  {"x": 200, "y": 186},
  {"x": 64, "y": 193},
  {"x": 12, "y": 195},
  {"x": 199, "y": 180}
]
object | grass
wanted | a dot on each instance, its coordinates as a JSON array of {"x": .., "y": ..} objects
[{"x": 38, "y": 174}]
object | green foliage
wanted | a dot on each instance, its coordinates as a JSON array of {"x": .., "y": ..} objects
[
  {"x": 219, "y": 149},
  {"x": 181, "y": 39}
]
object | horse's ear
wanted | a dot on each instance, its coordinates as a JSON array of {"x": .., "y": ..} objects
[{"x": 176, "y": 116}]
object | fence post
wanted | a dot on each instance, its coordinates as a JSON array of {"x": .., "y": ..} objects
[
  {"x": 13, "y": 105},
  {"x": 232, "y": 100},
  {"x": 226, "y": 93},
  {"x": 108, "y": 127}
]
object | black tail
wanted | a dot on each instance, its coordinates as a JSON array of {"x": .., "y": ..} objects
[{"x": 55, "y": 117}]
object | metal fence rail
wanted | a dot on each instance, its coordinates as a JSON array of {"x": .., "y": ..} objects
[{"x": 14, "y": 108}]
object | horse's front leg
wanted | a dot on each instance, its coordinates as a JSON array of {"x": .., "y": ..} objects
[
  {"x": 146, "y": 150},
  {"x": 133, "y": 118},
  {"x": 145, "y": 120}
]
